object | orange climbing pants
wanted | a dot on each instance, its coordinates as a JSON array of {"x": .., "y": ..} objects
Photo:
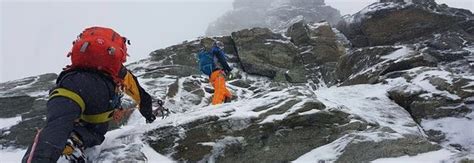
[{"x": 221, "y": 92}]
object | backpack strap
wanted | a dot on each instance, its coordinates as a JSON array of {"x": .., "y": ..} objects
[
  {"x": 98, "y": 118},
  {"x": 94, "y": 118},
  {"x": 63, "y": 92}
]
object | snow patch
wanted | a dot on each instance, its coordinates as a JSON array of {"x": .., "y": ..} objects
[
  {"x": 422, "y": 81},
  {"x": 430, "y": 157},
  {"x": 11, "y": 155},
  {"x": 370, "y": 103},
  {"x": 317, "y": 25},
  {"x": 313, "y": 111},
  {"x": 329, "y": 152},
  {"x": 6, "y": 123},
  {"x": 153, "y": 156},
  {"x": 272, "y": 118},
  {"x": 219, "y": 146},
  {"x": 278, "y": 41},
  {"x": 400, "y": 53},
  {"x": 458, "y": 130}
]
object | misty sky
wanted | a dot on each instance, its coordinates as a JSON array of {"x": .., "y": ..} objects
[{"x": 36, "y": 35}]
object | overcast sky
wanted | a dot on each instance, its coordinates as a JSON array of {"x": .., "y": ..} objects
[{"x": 36, "y": 35}]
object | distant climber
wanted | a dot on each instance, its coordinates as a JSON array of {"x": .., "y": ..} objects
[
  {"x": 86, "y": 96},
  {"x": 214, "y": 64}
]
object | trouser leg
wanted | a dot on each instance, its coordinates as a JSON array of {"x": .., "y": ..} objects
[{"x": 220, "y": 90}]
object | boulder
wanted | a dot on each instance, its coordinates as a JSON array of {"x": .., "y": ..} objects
[
  {"x": 319, "y": 49},
  {"x": 352, "y": 67},
  {"x": 401, "y": 21},
  {"x": 423, "y": 106},
  {"x": 265, "y": 53}
]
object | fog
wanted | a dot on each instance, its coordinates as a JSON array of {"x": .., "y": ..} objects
[{"x": 36, "y": 35}]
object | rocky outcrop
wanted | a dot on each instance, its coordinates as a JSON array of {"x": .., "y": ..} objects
[
  {"x": 420, "y": 76},
  {"x": 275, "y": 15},
  {"x": 318, "y": 48},
  {"x": 447, "y": 100},
  {"x": 402, "y": 22},
  {"x": 26, "y": 100},
  {"x": 265, "y": 53}
]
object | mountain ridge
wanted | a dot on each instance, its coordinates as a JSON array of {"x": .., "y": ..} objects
[{"x": 313, "y": 92}]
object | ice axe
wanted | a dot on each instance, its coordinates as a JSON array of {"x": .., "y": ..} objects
[{"x": 161, "y": 110}]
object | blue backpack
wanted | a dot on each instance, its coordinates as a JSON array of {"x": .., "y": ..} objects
[{"x": 206, "y": 62}]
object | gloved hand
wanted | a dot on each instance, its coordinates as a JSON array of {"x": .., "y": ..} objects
[
  {"x": 232, "y": 74},
  {"x": 147, "y": 112},
  {"x": 150, "y": 119}
]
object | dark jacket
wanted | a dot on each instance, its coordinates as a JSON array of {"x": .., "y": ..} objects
[
  {"x": 65, "y": 115},
  {"x": 220, "y": 55}
]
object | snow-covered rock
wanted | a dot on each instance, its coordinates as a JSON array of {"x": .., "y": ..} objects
[
  {"x": 310, "y": 93},
  {"x": 390, "y": 22},
  {"x": 276, "y": 15}
]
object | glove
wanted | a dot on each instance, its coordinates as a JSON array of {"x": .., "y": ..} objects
[
  {"x": 150, "y": 118},
  {"x": 232, "y": 74},
  {"x": 148, "y": 114}
]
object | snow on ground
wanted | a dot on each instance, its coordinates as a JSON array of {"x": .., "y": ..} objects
[
  {"x": 6, "y": 123},
  {"x": 457, "y": 130},
  {"x": 11, "y": 155},
  {"x": 421, "y": 81},
  {"x": 129, "y": 137},
  {"x": 219, "y": 146},
  {"x": 430, "y": 157},
  {"x": 371, "y": 103},
  {"x": 403, "y": 51},
  {"x": 329, "y": 152},
  {"x": 154, "y": 156}
]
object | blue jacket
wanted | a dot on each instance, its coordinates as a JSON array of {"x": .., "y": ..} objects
[{"x": 220, "y": 55}]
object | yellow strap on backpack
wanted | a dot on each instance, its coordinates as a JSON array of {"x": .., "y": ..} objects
[
  {"x": 63, "y": 92},
  {"x": 95, "y": 118},
  {"x": 98, "y": 118}
]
